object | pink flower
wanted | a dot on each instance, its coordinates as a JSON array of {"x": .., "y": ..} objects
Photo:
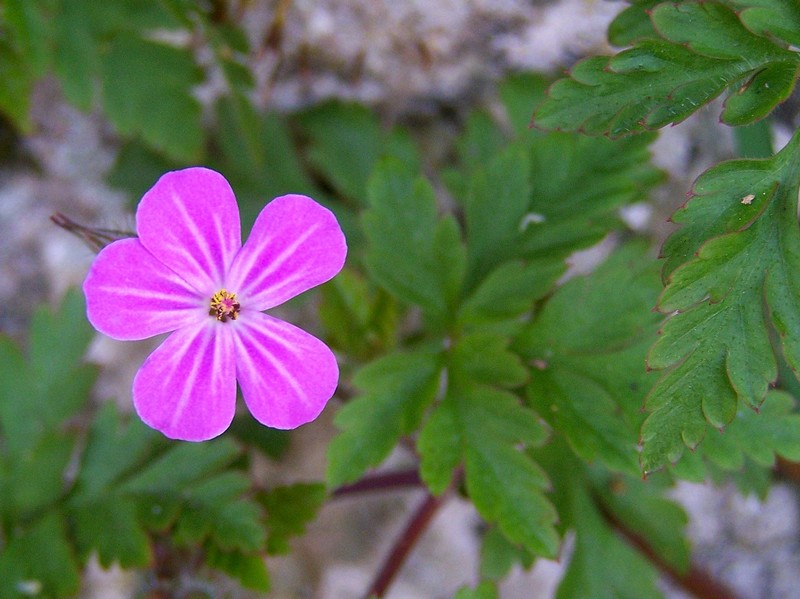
[{"x": 189, "y": 274}]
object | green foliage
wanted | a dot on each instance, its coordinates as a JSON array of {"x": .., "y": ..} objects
[
  {"x": 484, "y": 428},
  {"x": 289, "y": 509},
  {"x": 159, "y": 108},
  {"x": 65, "y": 495},
  {"x": 147, "y": 87},
  {"x": 484, "y": 590},
  {"x": 694, "y": 52},
  {"x": 396, "y": 391},
  {"x": 589, "y": 379},
  {"x": 416, "y": 256},
  {"x": 716, "y": 350}
]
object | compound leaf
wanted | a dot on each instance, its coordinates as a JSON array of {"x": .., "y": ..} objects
[
  {"x": 703, "y": 49},
  {"x": 715, "y": 350},
  {"x": 396, "y": 390},
  {"x": 147, "y": 92},
  {"x": 484, "y": 428},
  {"x": 588, "y": 354},
  {"x": 289, "y": 510},
  {"x": 415, "y": 255}
]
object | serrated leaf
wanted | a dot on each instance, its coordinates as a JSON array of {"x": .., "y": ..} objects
[
  {"x": 55, "y": 386},
  {"x": 147, "y": 91},
  {"x": 766, "y": 17},
  {"x": 334, "y": 126},
  {"x": 38, "y": 561},
  {"x": 258, "y": 155},
  {"x": 485, "y": 590},
  {"x": 495, "y": 207},
  {"x": 249, "y": 569},
  {"x": 704, "y": 49},
  {"x": 759, "y": 436},
  {"x": 483, "y": 357},
  {"x": 484, "y": 428},
  {"x": 633, "y": 23},
  {"x": 589, "y": 377},
  {"x": 499, "y": 555},
  {"x": 358, "y": 318},
  {"x": 510, "y": 290},
  {"x": 563, "y": 217},
  {"x": 112, "y": 530},
  {"x": 415, "y": 255},
  {"x": 289, "y": 510},
  {"x": 181, "y": 465},
  {"x": 396, "y": 390},
  {"x": 715, "y": 351}
]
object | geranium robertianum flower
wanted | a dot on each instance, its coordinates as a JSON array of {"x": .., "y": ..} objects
[{"x": 189, "y": 274}]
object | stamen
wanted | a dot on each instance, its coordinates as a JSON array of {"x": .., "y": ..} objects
[{"x": 224, "y": 306}]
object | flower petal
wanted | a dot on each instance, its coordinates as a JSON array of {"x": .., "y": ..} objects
[
  {"x": 131, "y": 295},
  {"x": 190, "y": 221},
  {"x": 286, "y": 375},
  {"x": 295, "y": 245},
  {"x": 187, "y": 387}
]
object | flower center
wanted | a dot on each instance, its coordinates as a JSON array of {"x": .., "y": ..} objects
[{"x": 224, "y": 306}]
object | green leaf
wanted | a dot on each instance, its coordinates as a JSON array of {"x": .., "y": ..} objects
[
  {"x": 613, "y": 572},
  {"x": 769, "y": 18},
  {"x": 498, "y": 555},
  {"x": 495, "y": 206},
  {"x": 360, "y": 320},
  {"x": 485, "y": 590},
  {"x": 483, "y": 357},
  {"x": 704, "y": 49},
  {"x": 759, "y": 436},
  {"x": 147, "y": 91},
  {"x": 633, "y": 23},
  {"x": 258, "y": 156},
  {"x": 55, "y": 385},
  {"x": 112, "y": 530},
  {"x": 715, "y": 350},
  {"x": 484, "y": 428},
  {"x": 510, "y": 290},
  {"x": 415, "y": 255},
  {"x": 588, "y": 354},
  {"x": 641, "y": 506},
  {"x": 35, "y": 479},
  {"x": 396, "y": 391},
  {"x": 333, "y": 127},
  {"x": 563, "y": 217},
  {"x": 38, "y": 561},
  {"x": 249, "y": 569},
  {"x": 214, "y": 508},
  {"x": 289, "y": 510}
]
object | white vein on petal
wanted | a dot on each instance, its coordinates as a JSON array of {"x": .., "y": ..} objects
[
  {"x": 200, "y": 242},
  {"x": 275, "y": 264},
  {"x": 189, "y": 381},
  {"x": 265, "y": 329}
]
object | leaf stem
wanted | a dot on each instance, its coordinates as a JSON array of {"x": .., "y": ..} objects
[
  {"x": 405, "y": 543},
  {"x": 383, "y": 481},
  {"x": 695, "y": 580}
]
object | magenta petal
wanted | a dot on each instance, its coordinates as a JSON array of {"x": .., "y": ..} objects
[
  {"x": 187, "y": 387},
  {"x": 286, "y": 375},
  {"x": 295, "y": 245},
  {"x": 131, "y": 295},
  {"x": 190, "y": 220}
]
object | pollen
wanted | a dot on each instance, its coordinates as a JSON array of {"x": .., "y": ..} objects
[{"x": 224, "y": 306}]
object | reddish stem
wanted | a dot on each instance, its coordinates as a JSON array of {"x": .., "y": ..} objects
[
  {"x": 383, "y": 481},
  {"x": 405, "y": 543},
  {"x": 695, "y": 581}
]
